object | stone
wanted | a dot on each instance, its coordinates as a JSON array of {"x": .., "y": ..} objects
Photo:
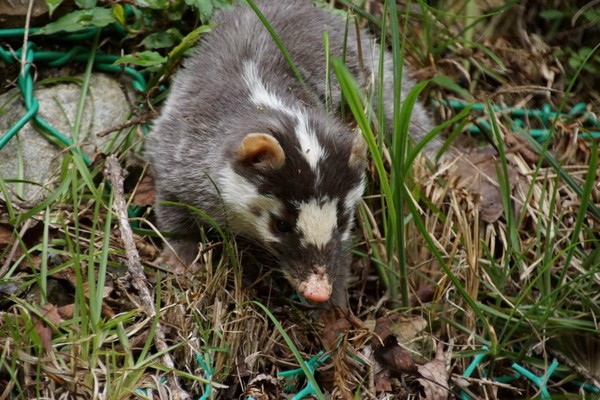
[
  {"x": 14, "y": 12},
  {"x": 30, "y": 158}
]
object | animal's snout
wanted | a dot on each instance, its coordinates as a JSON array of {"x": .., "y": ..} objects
[{"x": 316, "y": 287}]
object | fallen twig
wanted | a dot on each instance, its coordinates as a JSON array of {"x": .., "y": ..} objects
[{"x": 114, "y": 172}]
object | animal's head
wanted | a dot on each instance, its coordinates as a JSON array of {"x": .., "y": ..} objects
[{"x": 293, "y": 187}]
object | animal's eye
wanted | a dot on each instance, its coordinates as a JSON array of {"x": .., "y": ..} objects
[{"x": 283, "y": 226}]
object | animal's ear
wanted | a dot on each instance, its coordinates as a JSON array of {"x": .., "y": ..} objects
[
  {"x": 261, "y": 151},
  {"x": 358, "y": 154}
]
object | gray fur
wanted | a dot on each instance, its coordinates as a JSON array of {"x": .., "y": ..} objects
[{"x": 208, "y": 111}]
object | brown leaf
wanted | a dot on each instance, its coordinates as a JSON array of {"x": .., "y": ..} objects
[
  {"x": 382, "y": 381},
  {"x": 404, "y": 329},
  {"x": 6, "y": 240},
  {"x": 396, "y": 361},
  {"x": 383, "y": 327},
  {"x": 434, "y": 376},
  {"x": 476, "y": 173},
  {"x": 423, "y": 295},
  {"x": 50, "y": 314},
  {"x": 264, "y": 387},
  {"x": 106, "y": 290},
  {"x": 395, "y": 358},
  {"x": 518, "y": 144},
  {"x": 63, "y": 274},
  {"x": 6, "y": 232},
  {"x": 107, "y": 311},
  {"x": 145, "y": 193},
  {"x": 334, "y": 321},
  {"x": 29, "y": 233},
  {"x": 67, "y": 311}
]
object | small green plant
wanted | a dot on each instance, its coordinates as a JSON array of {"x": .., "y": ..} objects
[{"x": 585, "y": 58}]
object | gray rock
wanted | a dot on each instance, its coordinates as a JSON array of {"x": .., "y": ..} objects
[
  {"x": 14, "y": 12},
  {"x": 30, "y": 158}
]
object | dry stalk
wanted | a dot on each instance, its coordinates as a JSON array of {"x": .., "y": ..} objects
[{"x": 115, "y": 176}]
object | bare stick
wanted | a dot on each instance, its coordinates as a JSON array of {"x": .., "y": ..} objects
[{"x": 114, "y": 173}]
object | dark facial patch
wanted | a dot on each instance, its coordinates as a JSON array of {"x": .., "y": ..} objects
[{"x": 296, "y": 182}]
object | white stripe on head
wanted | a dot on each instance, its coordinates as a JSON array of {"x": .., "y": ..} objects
[
  {"x": 249, "y": 211},
  {"x": 262, "y": 97},
  {"x": 317, "y": 220},
  {"x": 309, "y": 144}
]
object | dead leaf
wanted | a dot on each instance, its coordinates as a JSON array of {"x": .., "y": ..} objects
[
  {"x": 382, "y": 381},
  {"x": 404, "y": 329},
  {"x": 107, "y": 311},
  {"x": 395, "y": 358},
  {"x": 264, "y": 387},
  {"x": 391, "y": 333},
  {"x": 476, "y": 172},
  {"x": 106, "y": 290},
  {"x": 67, "y": 311},
  {"x": 145, "y": 192},
  {"x": 6, "y": 233},
  {"x": 423, "y": 295},
  {"x": 517, "y": 144},
  {"x": 50, "y": 314},
  {"x": 63, "y": 274},
  {"x": 334, "y": 322},
  {"x": 434, "y": 376},
  {"x": 6, "y": 240}
]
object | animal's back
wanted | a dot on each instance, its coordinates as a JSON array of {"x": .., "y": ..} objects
[
  {"x": 210, "y": 95},
  {"x": 214, "y": 77}
]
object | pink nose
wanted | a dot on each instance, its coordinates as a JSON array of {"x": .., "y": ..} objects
[{"x": 316, "y": 288}]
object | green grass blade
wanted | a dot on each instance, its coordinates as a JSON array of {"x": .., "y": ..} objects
[
  {"x": 292, "y": 346},
  {"x": 286, "y": 55}
]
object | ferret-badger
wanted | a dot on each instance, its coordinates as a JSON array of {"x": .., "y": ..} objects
[{"x": 241, "y": 139}]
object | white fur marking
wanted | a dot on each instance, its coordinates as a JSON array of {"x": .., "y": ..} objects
[
  {"x": 309, "y": 144},
  {"x": 317, "y": 220},
  {"x": 350, "y": 202},
  {"x": 262, "y": 97},
  {"x": 354, "y": 196},
  {"x": 346, "y": 233},
  {"x": 242, "y": 201}
]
